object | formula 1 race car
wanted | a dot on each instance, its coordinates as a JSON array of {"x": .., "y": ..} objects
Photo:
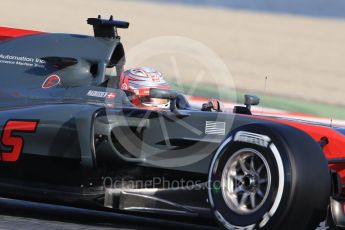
[{"x": 70, "y": 135}]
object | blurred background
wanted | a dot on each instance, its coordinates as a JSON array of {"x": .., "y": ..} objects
[{"x": 289, "y": 52}]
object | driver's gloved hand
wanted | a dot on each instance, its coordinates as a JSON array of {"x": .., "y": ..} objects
[{"x": 212, "y": 105}]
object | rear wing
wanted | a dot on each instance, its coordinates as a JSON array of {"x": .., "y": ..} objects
[{"x": 7, "y": 33}]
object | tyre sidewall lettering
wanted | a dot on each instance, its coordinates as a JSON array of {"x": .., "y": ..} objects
[{"x": 275, "y": 159}]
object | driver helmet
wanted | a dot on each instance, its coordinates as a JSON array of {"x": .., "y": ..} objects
[{"x": 139, "y": 81}]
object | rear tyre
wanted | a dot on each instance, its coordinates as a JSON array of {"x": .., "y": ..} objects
[{"x": 269, "y": 176}]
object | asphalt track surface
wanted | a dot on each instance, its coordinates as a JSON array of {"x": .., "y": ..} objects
[{"x": 17, "y": 214}]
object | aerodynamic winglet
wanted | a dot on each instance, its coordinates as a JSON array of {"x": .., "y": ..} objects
[{"x": 60, "y": 62}]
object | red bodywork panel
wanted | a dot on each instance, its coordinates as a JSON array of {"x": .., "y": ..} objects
[
  {"x": 7, "y": 33},
  {"x": 335, "y": 149}
]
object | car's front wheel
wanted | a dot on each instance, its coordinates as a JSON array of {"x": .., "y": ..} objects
[{"x": 269, "y": 176}]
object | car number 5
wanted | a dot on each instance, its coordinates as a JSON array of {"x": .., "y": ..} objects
[{"x": 14, "y": 141}]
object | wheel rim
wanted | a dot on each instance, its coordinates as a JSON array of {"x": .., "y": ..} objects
[{"x": 246, "y": 181}]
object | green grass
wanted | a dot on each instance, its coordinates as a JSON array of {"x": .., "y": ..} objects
[{"x": 268, "y": 101}]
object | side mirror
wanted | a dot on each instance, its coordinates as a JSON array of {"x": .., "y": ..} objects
[
  {"x": 163, "y": 94},
  {"x": 170, "y": 95},
  {"x": 250, "y": 100}
]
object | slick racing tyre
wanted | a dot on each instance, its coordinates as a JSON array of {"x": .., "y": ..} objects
[{"x": 269, "y": 176}]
